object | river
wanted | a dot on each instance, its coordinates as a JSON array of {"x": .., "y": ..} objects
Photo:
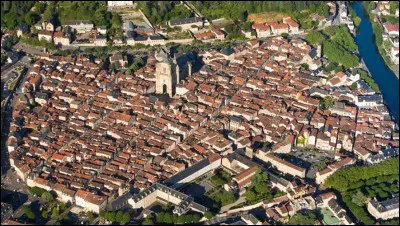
[{"x": 387, "y": 81}]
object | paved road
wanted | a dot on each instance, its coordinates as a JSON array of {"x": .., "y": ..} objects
[
  {"x": 227, "y": 207},
  {"x": 24, "y": 61}
]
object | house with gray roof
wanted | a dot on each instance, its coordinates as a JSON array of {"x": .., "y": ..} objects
[
  {"x": 369, "y": 101},
  {"x": 386, "y": 209},
  {"x": 187, "y": 23},
  {"x": 383, "y": 155}
]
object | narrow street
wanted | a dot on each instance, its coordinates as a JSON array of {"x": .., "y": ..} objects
[{"x": 227, "y": 207}]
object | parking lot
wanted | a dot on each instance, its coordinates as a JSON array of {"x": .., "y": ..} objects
[{"x": 313, "y": 160}]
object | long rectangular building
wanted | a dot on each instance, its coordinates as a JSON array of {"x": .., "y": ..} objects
[
  {"x": 200, "y": 168},
  {"x": 159, "y": 192},
  {"x": 282, "y": 165}
]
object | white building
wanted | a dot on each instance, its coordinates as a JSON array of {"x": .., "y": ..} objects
[
  {"x": 159, "y": 192},
  {"x": 369, "y": 101},
  {"x": 384, "y": 210},
  {"x": 111, "y": 4},
  {"x": 89, "y": 201},
  {"x": 46, "y": 35},
  {"x": 81, "y": 26}
]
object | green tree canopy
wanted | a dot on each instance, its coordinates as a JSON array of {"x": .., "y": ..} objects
[
  {"x": 90, "y": 216},
  {"x": 55, "y": 212},
  {"x": 119, "y": 216},
  {"x": 110, "y": 216},
  {"x": 315, "y": 37},
  {"x": 302, "y": 219},
  {"x": 359, "y": 198},
  {"x": 126, "y": 218},
  {"x": 28, "y": 211},
  {"x": 148, "y": 221},
  {"x": 343, "y": 178},
  {"x": 47, "y": 196}
]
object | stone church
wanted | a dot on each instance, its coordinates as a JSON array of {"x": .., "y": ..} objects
[{"x": 170, "y": 69}]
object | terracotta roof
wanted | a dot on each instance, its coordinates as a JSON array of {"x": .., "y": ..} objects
[
  {"x": 261, "y": 27},
  {"x": 214, "y": 157},
  {"x": 277, "y": 26},
  {"x": 392, "y": 27}
]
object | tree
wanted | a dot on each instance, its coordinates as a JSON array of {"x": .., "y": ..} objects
[
  {"x": 90, "y": 216},
  {"x": 167, "y": 218},
  {"x": 160, "y": 217},
  {"x": 47, "y": 196},
  {"x": 49, "y": 11},
  {"x": 196, "y": 218},
  {"x": 342, "y": 178},
  {"x": 359, "y": 198},
  {"x": 372, "y": 5},
  {"x": 148, "y": 221},
  {"x": 126, "y": 218},
  {"x": 29, "y": 19},
  {"x": 242, "y": 15},
  {"x": 393, "y": 6},
  {"x": 28, "y": 211},
  {"x": 188, "y": 218},
  {"x": 326, "y": 102},
  {"x": 45, "y": 214},
  {"x": 302, "y": 219},
  {"x": 258, "y": 187},
  {"x": 55, "y": 212},
  {"x": 305, "y": 66},
  {"x": 353, "y": 86},
  {"x": 181, "y": 219},
  {"x": 338, "y": 54},
  {"x": 110, "y": 216},
  {"x": 39, "y": 7},
  {"x": 119, "y": 216},
  {"x": 315, "y": 37},
  {"x": 250, "y": 195},
  {"x": 102, "y": 213}
]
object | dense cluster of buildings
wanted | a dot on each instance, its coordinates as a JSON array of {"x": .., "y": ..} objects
[
  {"x": 390, "y": 31},
  {"x": 288, "y": 26},
  {"x": 344, "y": 17},
  {"x": 95, "y": 134}
]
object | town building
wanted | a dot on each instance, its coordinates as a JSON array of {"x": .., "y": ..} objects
[
  {"x": 121, "y": 59},
  {"x": 369, "y": 101},
  {"x": 161, "y": 193},
  {"x": 384, "y": 210},
  {"x": 89, "y": 201},
  {"x": 193, "y": 23},
  {"x": 119, "y": 4},
  {"x": 22, "y": 29},
  {"x": 383, "y": 155},
  {"x": 200, "y": 168},
  {"x": 282, "y": 165},
  {"x": 81, "y": 26},
  {"x": 46, "y": 35}
]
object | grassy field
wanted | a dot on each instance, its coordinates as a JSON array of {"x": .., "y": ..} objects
[{"x": 265, "y": 17}]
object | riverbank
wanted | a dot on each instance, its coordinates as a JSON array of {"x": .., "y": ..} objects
[
  {"x": 377, "y": 30},
  {"x": 385, "y": 78}
]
